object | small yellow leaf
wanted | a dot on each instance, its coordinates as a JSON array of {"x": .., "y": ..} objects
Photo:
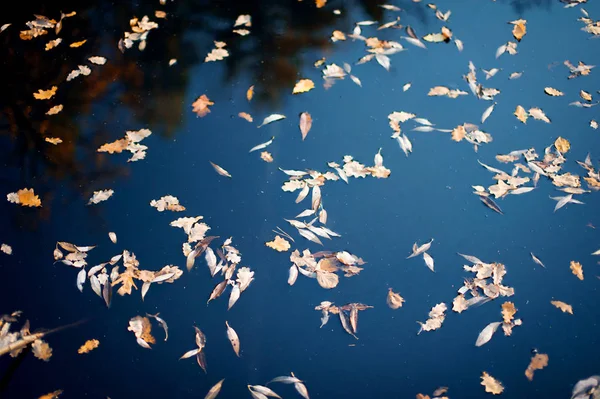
[
  {"x": 89, "y": 346},
  {"x": 303, "y": 86},
  {"x": 577, "y": 269},
  {"x": 279, "y": 244},
  {"x": 562, "y": 145},
  {"x": 566, "y": 308},
  {"x": 266, "y": 156},
  {"x": 250, "y": 93},
  {"x": 200, "y": 106},
  {"x": 45, "y": 94},
  {"x": 553, "y": 92},
  {"x": 78, "y": 44},
  {"x": 521, "y": 114},
  {"x": 55, "y": 110}
]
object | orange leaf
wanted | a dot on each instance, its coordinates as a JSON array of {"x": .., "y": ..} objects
[
  {"x": 45, "y": 94},
  {"x": 303, "y": 86},
  {"x": 577, "y": 269},
  {"x": 538, "y": 362},
  {"x": 77, "y": 44},
  {"x": 116, "y": 146},
  {"x": 25, "y": 197},
  {"x": 279, "y": 244},
  {"x": 89, "y": 346},
  {"x": 201, "y": 105}
]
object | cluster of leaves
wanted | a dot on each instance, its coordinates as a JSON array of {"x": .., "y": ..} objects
[
  {"x": 348, "y": 315},
  {"x": 323, "y": 265}
]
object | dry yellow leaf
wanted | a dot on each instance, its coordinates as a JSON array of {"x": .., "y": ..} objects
[
  {"x": 89, "y": 346},
  {"x": 519, "y": 28},
  {"x": 521, "y": 114},
  {"x": 115, "y": 147},
  {"x": 78, "y": 44},
  {"x": 491, "y": 385},
  {"x": 246, "y": 116},
  {"x": 52, "y": 395},
  {"x": 53, "y": 43},
  {"x": 201, "y": 105},
  {"x": 53, "y": 140},
  {"x": 41, "y": 350},
  {"x": 508, "y": 311},
  {"x": 55, "y": 110},
  {"x": 538, "y": 362},
  {"x": 279, "y": 244},
  {"x": 562, "y": 145},
  {"x": 160, "y": 14},
  {"x": 566, "y": 308},
  {"x": 458, "y": 133},
  {"x": 250, "y": 93},
  {"x": 45, "y": 94},
  {"x": 394, "y": 300},
  {"x": 337, "y": 35},
  {"x": 577, "y": 269},
  {"x": 585, "y": 95},
  {"x": 320, "y": 3},
  {"x": 553, "y": 92},
  {"x": 25, "y": 197},
  {"x": 303, "y": 86},
  {"x": 266, "y": 156}
]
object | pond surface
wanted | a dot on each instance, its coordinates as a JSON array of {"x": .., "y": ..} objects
[{"x": 428, "y": 194}]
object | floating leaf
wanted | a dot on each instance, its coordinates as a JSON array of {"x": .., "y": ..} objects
[
  {"x": 566, "y": 308},
  {"x": 394, "y": 300},
  {"x": 88, "y": 346},
  {"x": 272, "y": 118},
  {"x": 220, "y": 170},
  {"x": 491, "y": 385},
  {"x": 486, "y": 334},
  {"x": 25, "y": 197},
  {"x": 562, "y": 145},
  {"x": 303, "y": 86},
  {"x": 100, "y": 196},
  {"x": 577, "y": 269},
  {"x": 200, "y": 106},
  {"x": 521, "y": 114},
  {"x": 45, "y": 94},
  {"x": 305, "y": 124},
  {"x": 553, "y": 92},
  {"x": 538, "y": 362},
  {"x": 279, "y": 244}
]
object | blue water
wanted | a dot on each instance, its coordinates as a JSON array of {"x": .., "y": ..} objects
[{"x": 428, "y": 195}]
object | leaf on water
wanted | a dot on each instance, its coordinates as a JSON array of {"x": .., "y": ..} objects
[
  {"x": 218, "y": 53},
  {"x": 45, "y": 94},
  {"x": 562, "y": 145},
  {"x": 53, "y": 43},
  {"x": 167, "y": 203},
  {"x": 88, "y": 346},
  {"x": 436, "y": 318},
  {"x": 53, "y": 140},
  {"x": 200, "y": 106},
  {"x": 267, "y": 392},
  {"x": 24, "y": 197},
  {"x": 444, "y": 91},
  {"x": 41, "y": 350},
  {"x": 394, "y": 300},
  {"x": 162, "y": 323},
  {"x": 428, "y": 261},
  {"x": 246, "y": 116},
  {"x": 305, "y": 124},
  {"x": 214, "y": 391},
  {"x": 250, "y": 93},
  {"x": 220, "y": 170},
  {"x": 486, "y": 334},
  {"x": 491, "y": 385},
  {"x": 7, "y": 249},
  {"x": 418, "y": 250},
  {"x": 538, "y": 362},
  {"x": 272, "y": 118},
  {"x": 508, "y": 312},
  {"x": 593, "y": 124},
  {"x": 515, "y": 75},
  {"x": 262, "y": 145},
  {"x": 538, "y": 114},
  {"x": 100, "y": 196},
  {"x": 566, "y": 308},
  {"x": 77, "y": 44},
  {"x": 279, "y": 244},
  {"x": 51, "y": 395},
  {"x": 521, "y": 114},
  {"x": 320, "y": 3},
  {"x": 577, "y": 269},
  {"x": 303, "y": 85},
  {"x": 585, "y": 95},
  {"x": 97, "y": 60},
  {"x": 266, "y": 156},
  {"x": 536, "y": 260},
  {"x": 553, "y": 92},
  {"x": 243, "y": 20},
  {"x": 486, "y": 114},
  {"x": 327, "y": 280},
  {"x": 55, "y": 110},
  {"x": 233, "y": 338},
  {"x": 142, "y": 329},
  {"x": 519, "y": 29}
]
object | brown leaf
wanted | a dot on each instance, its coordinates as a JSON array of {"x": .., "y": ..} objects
[
  {"x": 562, "y": 145},
  {"x": 279, "y": 244},
  {"x": 521, "y": 114},
  {"x": 327, "y": 280},
  {"x": 508, "y": 311},
  {"x": 458, "y": 133},
  {"x": 200, "y": 106},
  {"x": 246, "y": 116},
  {"x": 53, "y": 140},
  {"x": 394, "y": 300},
  {"x": 538, "y": 114},
  {"x": 234, "y": 339},
  {"x": 519, "y": 29},
  {"x": 566, "y": 308},
  {"x": 303, "y": 86},
  {"x": 266, "y": 156},
  {"x": 585, "y": 95},
  {"x": 41, "y": 350},
  {"x": 77, "y": 44},
  {"x": 25, "y": 197},
  {"x": 538, "y": 362},
  {"x": 52, "y": 395},
  {"x": 305, "y": 124},
  {"x": 89, "y": 346},
  {"x": 577, "y": 269},
  {"x": 553, "y": 92},
  {"x": 220, "y": 170},
  {"x": 53, "y": 43},
  {"x": 491, "y": 385},
  {"x": 250, "y": 93},
  {"x": 45, "y": 94},
  {"x": 115, "y": 147},
  {"x": 320, "y": 3},
  {"x": 55, "y": 110}
]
